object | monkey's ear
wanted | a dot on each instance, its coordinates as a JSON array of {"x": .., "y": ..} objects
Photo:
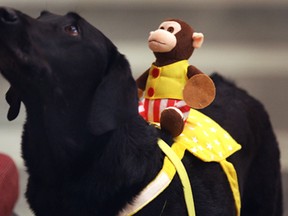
[{"x": 198, "y": 39}]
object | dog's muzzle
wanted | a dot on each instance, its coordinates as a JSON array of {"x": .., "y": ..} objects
[{"x": 8, "y": 16}]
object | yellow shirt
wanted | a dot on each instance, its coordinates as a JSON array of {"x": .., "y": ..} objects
[{"x": 167, "y": 81}]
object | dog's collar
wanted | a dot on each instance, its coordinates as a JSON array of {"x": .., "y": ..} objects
[{"x": 206, "y": 140}]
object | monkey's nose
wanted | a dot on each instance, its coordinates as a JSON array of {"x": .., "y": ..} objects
[{"x": 8, "y": 16}]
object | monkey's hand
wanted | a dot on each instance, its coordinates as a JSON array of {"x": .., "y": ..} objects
[
  {"x": 140, "y": 93},
  {"x": 199, "y": 91}
]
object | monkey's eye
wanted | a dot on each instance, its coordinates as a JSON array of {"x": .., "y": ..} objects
[
  {"x": 170, "y": 29},
  {"x": 72, "y": 30},
  {"x": 162, "y": 28}
]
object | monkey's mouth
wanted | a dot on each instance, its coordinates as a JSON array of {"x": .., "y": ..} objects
[
  {"x": 158, "y": 46},
  {"x": 156, "y": 42}
]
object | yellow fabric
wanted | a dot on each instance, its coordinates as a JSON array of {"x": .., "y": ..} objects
[
  {"x": 170, "y": 82},
  {"x": 233, "y": 181},
  {"x": 178, "y": 165},
  {"x": 205, "y": 139}
]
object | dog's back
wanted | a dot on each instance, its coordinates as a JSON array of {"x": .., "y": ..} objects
[{"x": 257, "y": 164}]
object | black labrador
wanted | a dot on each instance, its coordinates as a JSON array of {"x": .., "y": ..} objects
[{"x": 86, "y": 149}]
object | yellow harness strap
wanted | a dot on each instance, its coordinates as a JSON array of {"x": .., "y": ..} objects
[
  {"x": 172, "y": 163},
  {"x": 233, "y": 181},
  {"x": 174, "y": 158}
]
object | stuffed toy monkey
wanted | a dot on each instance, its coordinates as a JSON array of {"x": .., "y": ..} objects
[{"x": 171, "y": 85}]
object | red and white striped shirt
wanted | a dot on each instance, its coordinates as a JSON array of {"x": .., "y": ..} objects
[{"x": 151, "y": 110}]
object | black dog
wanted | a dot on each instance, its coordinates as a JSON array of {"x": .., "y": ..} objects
[{"x": 86, "y": 149}]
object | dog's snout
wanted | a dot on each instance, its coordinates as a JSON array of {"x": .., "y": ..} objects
[{"x": 8, "y": 16}]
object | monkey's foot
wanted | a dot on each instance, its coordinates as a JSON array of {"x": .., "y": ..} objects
[{"x": 171, "y": 121}]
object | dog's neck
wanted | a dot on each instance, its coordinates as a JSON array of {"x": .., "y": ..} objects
[
  {"x": 56, "y": 160},
  {"x": 53, "y": 133}
]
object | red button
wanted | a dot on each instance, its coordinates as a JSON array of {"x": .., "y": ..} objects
[
  {"x": 151, "y": 92},
  {"x": 155, "y": 72}
]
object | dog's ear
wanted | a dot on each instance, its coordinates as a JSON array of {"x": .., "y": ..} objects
[
  {"x": 14, "y": 102},
  {"x": 115, "y": 100}
]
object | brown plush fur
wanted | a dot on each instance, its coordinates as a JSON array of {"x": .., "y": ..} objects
[{"x": 198, "y": 92}]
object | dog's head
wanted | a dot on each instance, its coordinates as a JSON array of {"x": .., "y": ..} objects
[{"x": 64, "y": 62}]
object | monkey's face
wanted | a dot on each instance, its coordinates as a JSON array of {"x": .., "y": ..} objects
[
  {"x": 163, "y": 39},
  {"x": 173, "y": 41}
]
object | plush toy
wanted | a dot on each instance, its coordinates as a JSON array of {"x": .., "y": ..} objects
[{"x": 171, "y": 85}]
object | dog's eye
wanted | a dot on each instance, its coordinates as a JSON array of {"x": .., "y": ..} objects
[{"x": 72, "y": 30}]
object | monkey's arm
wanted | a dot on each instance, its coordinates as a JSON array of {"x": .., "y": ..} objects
[
  {"x": 192, "y": 70},
  {"x": 141, "y": 83},
  {"x": 199, "y": 90}
]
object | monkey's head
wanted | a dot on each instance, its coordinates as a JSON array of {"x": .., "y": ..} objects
[{"x": 173, "y": 41}]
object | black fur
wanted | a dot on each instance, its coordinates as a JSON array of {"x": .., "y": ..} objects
[{"x": 86, "y": 149}]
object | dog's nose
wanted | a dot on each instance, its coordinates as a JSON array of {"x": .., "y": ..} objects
[{"x": 8, "y": 16}]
